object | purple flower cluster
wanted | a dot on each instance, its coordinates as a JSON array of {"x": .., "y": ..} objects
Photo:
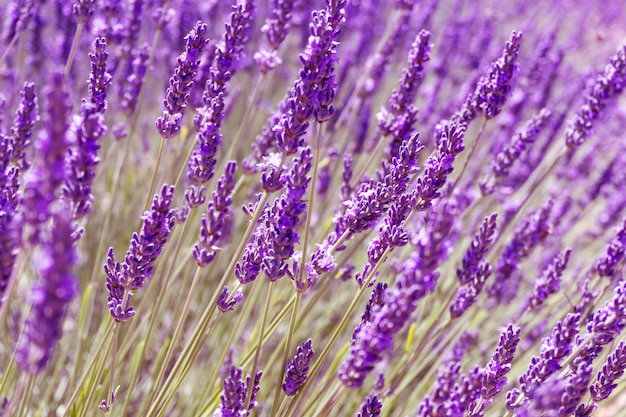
[
  {"x": 208, "y": 120},
  {"x": 475, "y": 271},
  {"x": 527, "y": 237},
  {"x": 276, "y": 235},
  {"x": 86, "y": 131},
  {"x": 169, "y": 124},
  {"x": 216, "y": 224},
  {"x": 298, "y": 368},
  {"x": 233, "y": 398},
  {"x": 607, "y": 85},
  {"x": 25, "y": 120},
  {"x": 56, "y": 289},
  {"x": 145, "y": 247}
]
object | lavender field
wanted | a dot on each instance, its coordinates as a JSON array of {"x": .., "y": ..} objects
[{"x": 312, "y": 208}]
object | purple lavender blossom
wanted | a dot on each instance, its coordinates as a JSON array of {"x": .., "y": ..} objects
[
  {"x": 553, "y": 350},
  {"x": 180, "y": 84},
  {"x": 475, "y": 271},
  {"x": 494, "y": 374},
  {"x": 232, "y": 400},
  {"x": 275, "y": 28},
  {"x": 145, "y": 247},
  {"x": 371, "y": 407},
  {"x": 284, "y": 216},
  {"x": 372, "y": 339},
  {"x": 611, "y": 371},
  {"x": 311, "y": 94},
  {"x": 549, "y": 281},
  {"x": 85, "y": 133},
  {"x": 523, "y": 138},
  {"x": 442, "y": 400},
  {"x": 83, "y": 9},
  {"x": 528, "y": 235},
  {"x": 217, "y": 222},
  {"x": 139, "y": 64},
  {"x": 208, "y": 120},
  {"x": 449, "y": 139},
  {"x": 577, "y": 385},
  {"x": 50, "y": 297},
  {"x": 25, "y": 119},
  {"x": 297, "y": 369},
  {"x": 608, "y": 265},
  {"x": 42, "y": 182},
  {"x": 609, "y": 84},
  {"x": 401, "y": 115}
]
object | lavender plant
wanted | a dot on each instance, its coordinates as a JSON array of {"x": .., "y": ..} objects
[{"x": 347, "y": 208}]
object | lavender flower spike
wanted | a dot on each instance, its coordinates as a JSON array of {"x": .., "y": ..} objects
[
  {"x": 169, "y": 124},
  {"x": 475, "y": 271},
  {"x": 609, "y": 84},
  {"x": 494, "y": 374},
  {"x": 125, "y": 278},
  {"x": 298, "y": 368},
  {"x": 87, "y": 129},
  {"x": 611, "y": 371},
  {"x": 25, "y": 120},
  {"x": 371, "y": 407},
  {"x": 232, "y": 401},
  {"x": 50, "y": 297}
]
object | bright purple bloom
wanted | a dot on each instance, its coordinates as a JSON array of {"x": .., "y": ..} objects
[
  {"x": 217, "y": 222},
  {"x": 43, "y": 181},
  {"x": 312, "y": 93},
  {"x": 576, "y": 386},
  {"x": 527, "y": 236},
  {"x": 208, "y": 121},
  {"x": 607, "y": 323},
  {"x": 475, "y": 271},
  {"x": 227, "y": 303},
  {"x": 275, "y": 28},
  {"x": 442, "y": 400},
  {"x": 50, "y": 297},
  {"x": 83, "y": 9},
  {"x": 85, "y": 132},
  {"x": 370, "y": 340},
  {"x": 609, "y": 84},
  {"x": 553, "y": 350},
  {"x": 494, "y": 374},
  {"x": 401, "y": 114},
  {"x": 549, "y": 281},
  {"x": 449, "y": 138},
  {"x": 145, "y": 247},
  {"x": 25, "y": 118},
  {"x": 611, "y": 371},
  {"x": 298, "y": 369},
  {"x": 371, "y": 407},
  {"x": 522, "y": 140},
  {"x": 608, "y": 265},
  {"x": 139, "y": 66},
  {"x": 234, "y": 396},
  {"x": 182, "y": 81},
  {"x": 493, "y": 90}
]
